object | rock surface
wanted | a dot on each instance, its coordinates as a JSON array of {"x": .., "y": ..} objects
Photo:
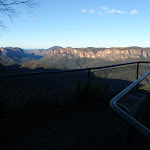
[{"x": 112, "y": 54}]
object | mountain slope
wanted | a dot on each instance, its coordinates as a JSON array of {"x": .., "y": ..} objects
[
  {"x": 15, "y": 55},
  {"x": 44, "y": 52},
  {"x": 71, "y": 58},
  {"x": 111, "y": 54}
]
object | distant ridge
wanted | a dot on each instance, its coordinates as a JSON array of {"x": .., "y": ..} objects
[
  {"x": 71, "y": 58},
  {"x": 57, "y": 57},
  {"x": 55, "y": 48},
  {"x": 15, "y": 55},
  {"x": 44, "y": 52}
]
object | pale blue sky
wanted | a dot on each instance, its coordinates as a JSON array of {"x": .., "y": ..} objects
[{"x": 80, "y": 23}]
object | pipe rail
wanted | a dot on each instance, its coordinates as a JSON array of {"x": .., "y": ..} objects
[
  {"x": 113, "y": 103},
  {"x": 124, "y": 115},
  {"x": 62, "y": 71}
]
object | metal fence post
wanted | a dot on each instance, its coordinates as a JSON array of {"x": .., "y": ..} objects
[
  {"x": 88, "y": 81},
  {"x": 137, "y": 75}
]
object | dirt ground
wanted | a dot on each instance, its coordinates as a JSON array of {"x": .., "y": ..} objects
[{"x": 84, "y": 128}]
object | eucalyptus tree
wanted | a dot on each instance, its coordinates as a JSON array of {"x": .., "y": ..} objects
[{"x": 10, "y": 8}]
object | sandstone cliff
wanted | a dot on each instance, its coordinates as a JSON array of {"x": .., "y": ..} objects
[
  {"x": 15, "y": 55},
  {"x": 111, "y": 54},
  {"x": 12, "y": 51},
  {"x": 44, "y": 52}
]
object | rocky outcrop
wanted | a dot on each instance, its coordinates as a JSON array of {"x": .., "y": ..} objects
[
  {"x": 44, "y": 52},
  {"x": 112, "y": 54},
  {"x": 15, "y": 55},
  {"x": 12, "y": 52},
  {"x": 55, "y": 48},
  {"x": 39, "y": 52}
]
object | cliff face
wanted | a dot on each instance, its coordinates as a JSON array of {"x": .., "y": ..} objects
[
  {"x": 15, "y": 55},
  {"x": 43, "y": 52},
  {"x": 111, "y": 54},
  {"x": 40, "y": 52},
  {"x": 12, "y": 52}
]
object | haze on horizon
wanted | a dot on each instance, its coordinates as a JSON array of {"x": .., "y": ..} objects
[
  {"x": 83, "y": 47},
  {"x": 76, "y": 23}
]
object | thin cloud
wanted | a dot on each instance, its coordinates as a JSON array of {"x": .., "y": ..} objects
[
  {"x": 104, "y": 8},
  {"x": 84, "y": 11},
  {"x": 121, "y": 12},
  {"x": 111, "y": 11},
  {"x": 134, "y": 12},
  {"x": 91, "y": 11}
]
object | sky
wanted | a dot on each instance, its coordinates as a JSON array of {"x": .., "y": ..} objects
[{"x": 79, "y": 23}]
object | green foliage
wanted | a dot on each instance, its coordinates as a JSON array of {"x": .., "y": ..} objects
[{"x": 7, "y": 61}]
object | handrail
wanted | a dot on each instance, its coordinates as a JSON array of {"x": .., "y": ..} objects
[
  {"x": 62, "y": 71},
  {"x": 113, "y": 104}
]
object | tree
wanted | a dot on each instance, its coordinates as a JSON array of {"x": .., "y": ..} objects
[
  {"x": 9, "y": 7},
  {"x": 75, "y": 61},
  {"x": 80, "y": 61}
]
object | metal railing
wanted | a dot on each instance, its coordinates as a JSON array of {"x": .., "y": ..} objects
[
  {"x": 73, "y": 70},
  {"x": 18, "y": 88},
  {"x": 117, "y": 108},
  {"x": 124, "y": 114}
]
